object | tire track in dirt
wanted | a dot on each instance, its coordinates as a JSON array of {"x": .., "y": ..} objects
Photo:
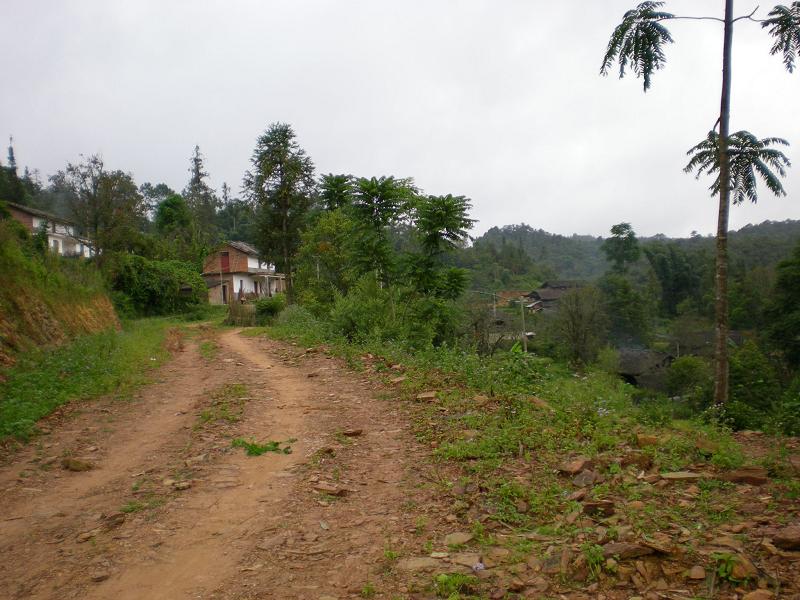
[
  {"x": 205, "y": 545},
  {"x": 247, "y": 527}
]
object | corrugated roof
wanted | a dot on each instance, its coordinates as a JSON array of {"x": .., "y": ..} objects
[{"x": 244, "y": 247}]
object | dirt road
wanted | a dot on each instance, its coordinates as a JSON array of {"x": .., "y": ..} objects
[{"x": 170, "y": 510}]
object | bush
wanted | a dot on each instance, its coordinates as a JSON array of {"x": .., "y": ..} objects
[
  {"x": 690, "y": 377},
  {"x": 151, "y": 287},
  {"x": 755, "y": 389},
  {"x": 269, "y": 308}
]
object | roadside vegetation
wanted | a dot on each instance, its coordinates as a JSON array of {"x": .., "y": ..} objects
[{"x": 109, "y": 362}]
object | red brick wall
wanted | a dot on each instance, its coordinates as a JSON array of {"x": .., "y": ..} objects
[
  {"x": 238, "y": 261},
  {"x": 22, "y": 217}
]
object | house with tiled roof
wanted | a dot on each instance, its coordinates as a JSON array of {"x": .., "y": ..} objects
[
  {"x": 235, "y": 272},
  {"x": 61, "y": 233}
]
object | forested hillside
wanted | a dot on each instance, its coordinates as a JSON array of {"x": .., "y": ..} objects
[{"x": 518, "y": 255}]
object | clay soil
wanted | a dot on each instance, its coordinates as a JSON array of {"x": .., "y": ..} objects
[{"x": 170, "y": 510}]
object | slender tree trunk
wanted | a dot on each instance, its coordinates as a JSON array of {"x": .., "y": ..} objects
[{"x": 721, "y": 304}]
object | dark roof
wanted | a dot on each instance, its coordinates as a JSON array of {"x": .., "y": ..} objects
[
  {"x": 562, "y": 284},
  {"x": 244, "y": 247},
  {"x": 39, "y": 213},
  {"x": 547, "y": 294}
]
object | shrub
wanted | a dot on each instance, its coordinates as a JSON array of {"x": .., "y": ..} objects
[
  {"x": 754, "y": 388},
  {"x": 152, "y": 287},
  {"x": 269, "y": 308}
]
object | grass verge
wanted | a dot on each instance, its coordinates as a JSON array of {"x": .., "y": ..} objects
[{"x": 89, "y": 367}]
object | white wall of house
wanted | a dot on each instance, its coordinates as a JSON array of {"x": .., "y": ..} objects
[
  {"x": 254, "y": 263},
  {"x": 60, "y": 238}
]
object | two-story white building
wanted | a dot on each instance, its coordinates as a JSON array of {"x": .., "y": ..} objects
[{"x": 61, "y": 237}]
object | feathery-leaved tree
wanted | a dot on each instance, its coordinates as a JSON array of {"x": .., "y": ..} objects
[
  {"x": 377, "y": 204},
  {"x": 335, "y": 191},
  {"x": 738, "y": 159}
]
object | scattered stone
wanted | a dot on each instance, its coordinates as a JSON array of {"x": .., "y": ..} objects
[
  {"x": 660, "y": 542},
  {"x": 697, "y": 572},
  {"x": 182, "y": 485},
  {"x": 113, "y": 520},
  {"x": 788, "y": 538},
  {"x": 466, "y": 559},
  {"x": 636, "y": 505},
  {"x": 751, "y": 475},
  {"x": 324, "y": 525},
  {"x": 743, "y": 568},
  {"x": 398, "y": 380},
  {"x": 99, "y": 576},
  {"x": 439, "y": 554},
  {"x": 643, "y": 440},
  {"x": 418, "y": 563},
  {"x": 576, "y": 465},
  {"x": 682, "y": 475},
  {"x": 625, "y": 550},
  {"x": 637, "y": 458},
  {"x": 457, "y": 539},
  {"x": 87, "y": 535},
  {"x": 427, "y": 396},
  {"x": 599, "y": 507},
  {"x": 324, "y": 487},
  {"x": 585, "y": 478},
  {"x": 577, "y": 495},
  {"x": 312, "y": 374},
  {"x": 352, "y": 432},
  {"x": 539, "y": 585},
  {"x": 759, "y": 595},
  {"x": 727, "y": 542},
  {"x": 73, "y": 464}
]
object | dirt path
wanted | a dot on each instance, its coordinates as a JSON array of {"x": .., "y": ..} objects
[{"x": 202, "y": 519}]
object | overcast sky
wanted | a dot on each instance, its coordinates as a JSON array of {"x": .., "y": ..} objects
[{"x": 497, "y": 100}]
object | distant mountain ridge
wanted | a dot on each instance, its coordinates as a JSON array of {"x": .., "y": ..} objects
[{"x": 581, "y": 257}]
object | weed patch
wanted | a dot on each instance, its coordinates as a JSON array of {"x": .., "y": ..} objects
[
  {"x": 89, "y": 367},
  {"x": 253, "y": 448}
]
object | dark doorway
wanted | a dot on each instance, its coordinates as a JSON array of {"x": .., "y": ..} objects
[{"x": 224, "y": 294}]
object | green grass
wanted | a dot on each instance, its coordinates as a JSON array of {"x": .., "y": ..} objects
[
  {"x": 208, "y": 349},
  {"x": 89, "y": 367},
  {"x": 253, "y": 448},
  {"x": 227, "y": 404}
]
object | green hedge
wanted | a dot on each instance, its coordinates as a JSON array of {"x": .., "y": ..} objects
[{"x": 144, "y": 287}]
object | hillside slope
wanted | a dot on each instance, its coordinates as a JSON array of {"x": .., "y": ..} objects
[{"x": 45, "y": 300}]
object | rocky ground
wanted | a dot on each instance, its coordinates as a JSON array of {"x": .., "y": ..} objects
[{"x": 158, "y": 497}]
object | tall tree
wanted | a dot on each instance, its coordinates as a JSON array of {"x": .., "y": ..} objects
[
  {"x": 335, "y": 191},
  {"x": 236, "y": 219},
  {"x": 378, "y": 203},
  {"x": 201, "y": 199},
  {"x": 622, "y": 248},
  {"x": 106, "y": 205},
  {"x": 280, "y": 185},
  {"x": 441, "y": 225},
  {"x": 638, "y": 42}
]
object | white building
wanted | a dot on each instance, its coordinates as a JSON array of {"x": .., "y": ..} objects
[{"x": 61, "y": 237}]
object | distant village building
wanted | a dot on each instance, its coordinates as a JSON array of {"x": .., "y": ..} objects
[
  {"x": 61, "y": 237},
  {"x": 235, "y": 273},
  {"x": 547, "y": 296}
]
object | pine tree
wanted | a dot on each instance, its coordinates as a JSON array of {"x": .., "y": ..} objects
[
  {"x": 280, "y": 185},
  {"x": 201, "y": 199}
]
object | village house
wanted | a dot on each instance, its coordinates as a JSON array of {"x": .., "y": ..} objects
[
  {"x": 235, "y": 273},
  {"x": 61, "y": 237},
  {"x": 547, "y": 296}
]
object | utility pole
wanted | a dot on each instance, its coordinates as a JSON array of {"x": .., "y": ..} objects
[{"x": 524, "y": 333}]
